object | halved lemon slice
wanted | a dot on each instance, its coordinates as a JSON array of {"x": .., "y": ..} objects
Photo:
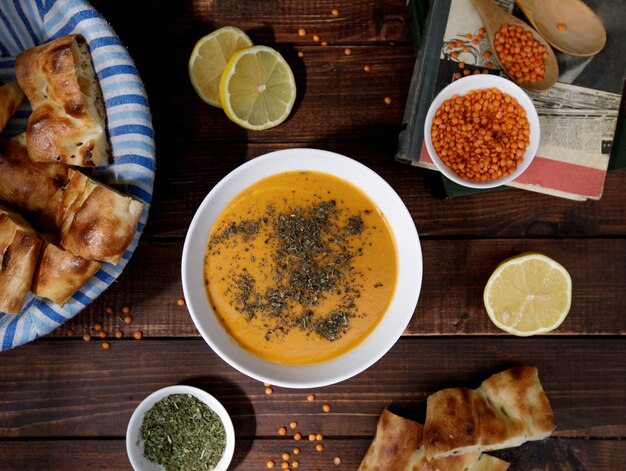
[
  {"x": 209, "y": 58},
  {"x": 528, "y": 294},
  {"x": 257, "y": 88}
]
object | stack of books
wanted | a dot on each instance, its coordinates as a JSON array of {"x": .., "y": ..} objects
[{"x": 583, "y": 134}]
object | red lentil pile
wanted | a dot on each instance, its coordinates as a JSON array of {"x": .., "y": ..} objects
[
  {"x": 520, "y": 53},
  {"x": 481, "y": 136}
]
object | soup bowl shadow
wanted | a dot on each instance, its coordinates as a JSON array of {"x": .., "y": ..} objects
[{"x": 384, "y": 335}]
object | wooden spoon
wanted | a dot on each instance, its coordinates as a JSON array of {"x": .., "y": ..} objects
[
  {"x": 493, "y": 17},
  {"x": 584, "y": 34}
]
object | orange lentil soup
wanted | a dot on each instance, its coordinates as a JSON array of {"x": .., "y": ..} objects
[{"x": 300, "y": 267}]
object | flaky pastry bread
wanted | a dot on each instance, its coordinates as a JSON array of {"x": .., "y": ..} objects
[
  {"x": 11, "y": 98},
  {"x": 394, "y": 444},
  {"x": 398, "y": 446},
  {"x": 94, "y": 221},
  {"x": 19, "y": 250},
  {"x": 60, "y": 274},
  {"x": 507, "y": 410},
  {"x": 24, "y": 184},
  {"x": 68, "y": 122}
]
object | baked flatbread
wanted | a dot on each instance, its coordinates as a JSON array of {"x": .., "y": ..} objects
[
  {"x": 397, "y": 446},
  {"x": 451, "y": 463},
  {"x": 394, "y": 444},
  {"x": 94, "y": 221},
  {"x": 489, "y": 463},
  {"x": 11, "y": 98},
  {"x": 25, "y": 184},
  {"x": 60, "y": 274},
  {"x": 68, "y": 120},
  {"x": 507, "y": 410},
  {"x": 19, "y": 249}
]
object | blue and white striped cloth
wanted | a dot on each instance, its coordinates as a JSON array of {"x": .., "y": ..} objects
[{"x": 27, "y": 23}]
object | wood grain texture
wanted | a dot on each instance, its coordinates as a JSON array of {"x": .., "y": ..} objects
[
  {"x": 61, "y": 388},
  {"x": 448, "y": 304},
  {"x": 265, "y": 22},
  {"x": 187, "y": 171},
  {"x": 110, "y": 455},
  {"x": 336, "y": 99}
]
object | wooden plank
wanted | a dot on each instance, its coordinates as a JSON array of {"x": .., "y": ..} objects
[
  {"x": 105, "y": 455},
  {"x": 265, "y": 22},
  {"x": 455, "y": 273},
  {"x": 336, "y": 98},
  {"x": 71, "y": 389},
  {"x": 187, "y": 171}
]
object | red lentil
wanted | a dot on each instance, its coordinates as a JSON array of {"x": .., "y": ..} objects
[
  {"x": 482, "y": 135},
  {"x": 561, "y": 27},
  {"x": 520, "y": 53}
]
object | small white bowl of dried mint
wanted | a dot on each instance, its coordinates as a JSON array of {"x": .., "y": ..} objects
[{"x": 180, "y": 427}]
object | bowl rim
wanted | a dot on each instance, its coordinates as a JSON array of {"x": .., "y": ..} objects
[
  {"x": 136, "y": 420},
  {"x": 347, "y": 364},
  {"x": 476, "y": 82}
]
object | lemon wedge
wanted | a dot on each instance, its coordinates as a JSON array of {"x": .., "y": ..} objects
[
  {"x": 257, "y": 89},
  {"x": 528, "y": 294},
  {"x": 209, "y": 58}
]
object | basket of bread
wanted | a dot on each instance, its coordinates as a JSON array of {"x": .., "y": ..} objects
[{"x": 69, "y": 215}]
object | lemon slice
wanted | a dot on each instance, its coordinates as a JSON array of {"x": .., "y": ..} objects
[
  {"x": 209, "y": 57},
  {"x": 528, "y": 294},
  {"x": 257, "y": 88}
]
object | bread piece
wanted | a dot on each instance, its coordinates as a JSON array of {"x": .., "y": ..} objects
[
  {"x": 19, "y": 248},
  {"x": 397, "y": 446},
  {"x": 28, "y": 185},
  {"x": 94, "y": 221},
  {"x": 68, "y": 120},
  {"x": 451, "y": 463},
  {"x": 11, "y": 98},
  {"x": 489, "y": 463},
  {"x": 507, "y": 410},
  {"x": 394, "y": 444},
  {"x": 60, "y": 274}
]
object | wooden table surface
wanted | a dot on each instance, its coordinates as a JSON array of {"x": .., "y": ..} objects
[{"x": 65, "y": 403}]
